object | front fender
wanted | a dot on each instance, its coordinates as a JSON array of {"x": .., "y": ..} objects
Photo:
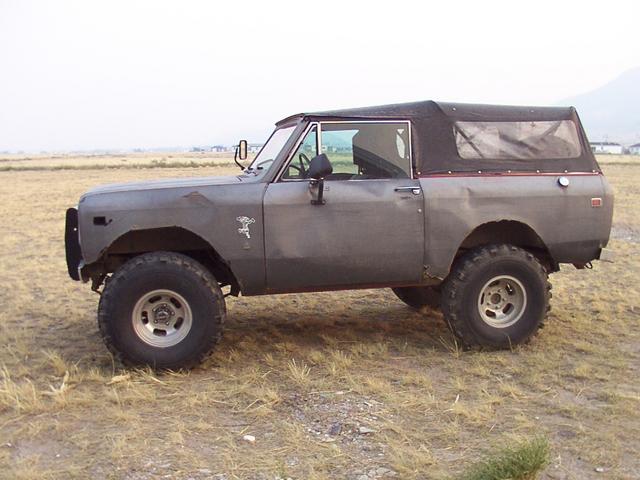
[{"x": 210, "y": 212}]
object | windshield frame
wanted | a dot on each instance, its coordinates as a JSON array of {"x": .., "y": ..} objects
[{"x": 261, "y": 171}]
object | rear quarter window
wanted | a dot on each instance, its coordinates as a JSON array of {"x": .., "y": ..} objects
[{"x": 517, "y": 140}]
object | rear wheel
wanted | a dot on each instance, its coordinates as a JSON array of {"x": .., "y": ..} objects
[
  {"x": 418, "y": 297},
  {"x": 161, "y": 309},
  {"x": 496, "y": 296}
]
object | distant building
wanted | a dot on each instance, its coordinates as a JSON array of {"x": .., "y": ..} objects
[
  {"x": 606, "y": 147},
  {"x": 635, "y": 149},
  {"x": 254, "y": 147},
  {"x": 218, "y": 148}
]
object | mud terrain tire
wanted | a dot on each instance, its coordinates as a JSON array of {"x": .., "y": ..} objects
[
  {"x": 418, "y": 297},
  {"x": 496, "y": 296},
  {"x": 161, "y": 309}
]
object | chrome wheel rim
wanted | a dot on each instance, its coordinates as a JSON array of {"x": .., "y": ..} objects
[
  {"x": 162, "y": 318},
  {"x": 502, "y": 301}
]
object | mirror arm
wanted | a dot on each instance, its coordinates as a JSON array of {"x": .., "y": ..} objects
[
  {"x": 320, "y": 183},
  {"x": 235, "y": 158}
]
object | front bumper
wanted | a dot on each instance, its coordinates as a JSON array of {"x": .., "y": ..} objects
[{"x": 72, "y": 244}]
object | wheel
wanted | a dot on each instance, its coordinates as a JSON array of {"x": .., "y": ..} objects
[
  {"x": 418, "y": 297},
  {"x": 161, "y": 309},
  {"x": 496, "y": 296}
]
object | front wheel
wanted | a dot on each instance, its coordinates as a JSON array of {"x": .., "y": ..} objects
[
  {"x": 161, "y": 309},
  {"x": 496, "y": 296}
]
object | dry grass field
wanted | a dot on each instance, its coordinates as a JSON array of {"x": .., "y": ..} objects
[
  {"x": 21, "y": 163},
  {"x": 350, "y": 385}
]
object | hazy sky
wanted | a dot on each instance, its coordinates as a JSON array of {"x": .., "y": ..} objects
[{"x": 121, "y": 74}]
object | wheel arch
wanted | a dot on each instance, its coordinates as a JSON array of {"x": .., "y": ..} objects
[
  {"x": 513, "y": 232},
  {"x": 171, "y": 239}
]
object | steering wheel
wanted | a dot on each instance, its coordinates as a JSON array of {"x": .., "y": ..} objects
[
  {"x": 302, "y": 158},
  {"x": 302, "y": 169}
]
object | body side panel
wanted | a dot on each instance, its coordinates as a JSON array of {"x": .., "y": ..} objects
[{"x": 563, "y": 217}]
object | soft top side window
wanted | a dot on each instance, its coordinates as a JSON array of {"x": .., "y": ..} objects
[{"x": 526, "y": 140}]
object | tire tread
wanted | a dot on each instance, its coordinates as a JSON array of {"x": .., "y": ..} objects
[
  {"x": 459, "y": 279},
  {"x": 108, "y": 297}
]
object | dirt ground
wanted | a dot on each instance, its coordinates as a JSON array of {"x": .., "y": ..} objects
[{"x": 350, "y": 385}]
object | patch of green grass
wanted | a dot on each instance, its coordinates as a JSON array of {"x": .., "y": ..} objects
[{"x": 520, "y": 462}]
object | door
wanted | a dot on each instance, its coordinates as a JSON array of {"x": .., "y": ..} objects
[{"x": 369, "y": 231}]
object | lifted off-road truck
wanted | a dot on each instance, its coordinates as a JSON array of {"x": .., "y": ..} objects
[{"x": 466, "y": 208}]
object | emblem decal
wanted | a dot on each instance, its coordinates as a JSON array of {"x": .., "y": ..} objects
[{"x": 245, "y": 222}]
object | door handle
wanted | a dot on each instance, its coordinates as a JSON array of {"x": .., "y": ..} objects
[{"x": 414, "y": 190}]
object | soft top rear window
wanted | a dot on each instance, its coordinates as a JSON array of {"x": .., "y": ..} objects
[{"x": 526, "y": 140}]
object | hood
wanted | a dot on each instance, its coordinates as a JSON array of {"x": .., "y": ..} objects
[{"x": 166, "y": 183}]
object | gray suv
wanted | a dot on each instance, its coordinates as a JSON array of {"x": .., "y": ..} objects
[{"x": 465, "y": 208}]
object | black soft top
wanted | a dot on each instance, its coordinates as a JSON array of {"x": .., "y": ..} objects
[{"x": 434, "y": 140}]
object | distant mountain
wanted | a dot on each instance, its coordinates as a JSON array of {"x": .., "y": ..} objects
[{"x": 611, "y": 112}]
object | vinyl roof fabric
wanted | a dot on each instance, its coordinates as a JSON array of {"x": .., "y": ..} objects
[{"x": 433, "y": 138}]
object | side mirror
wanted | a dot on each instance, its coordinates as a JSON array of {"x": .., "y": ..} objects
[
  {"x": 319, "y": 167},
  {"x": 241, "y": 153},
  {"x": 242, "y": 150}
]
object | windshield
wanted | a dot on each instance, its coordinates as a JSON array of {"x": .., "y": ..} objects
[{"x": 270, "y": 151}]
